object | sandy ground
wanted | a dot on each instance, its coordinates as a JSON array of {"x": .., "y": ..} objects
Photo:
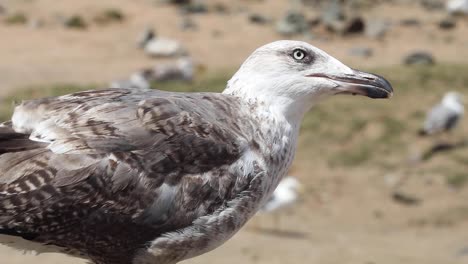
[
  {"x": 349, "y": 220},
  {"x": 104, "y": 53}
]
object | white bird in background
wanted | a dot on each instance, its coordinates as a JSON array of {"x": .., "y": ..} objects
[
  {"x": 182, "y": 69},
  {"x": 138, "y": 80},
  {"x": 284, "y": 195},
  {"x": 457, "y": 6},
  {"x": 157, "y": 46},
  {"x": 444, "y": 116}
]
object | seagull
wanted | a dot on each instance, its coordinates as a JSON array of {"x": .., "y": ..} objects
[
  {"x": 457, "y": 6},
  {"x": 182, "y": 69},
  {"x": 156, "y": 46},
  {"x": 444, "y": 116},
  {"x": 164, "y": 47},
  {"x": 285, "y": 195},
  {"x": 125, "y": 176},
  {"x": 138, "y": 80},
  {"x": 145, "y": 36}
]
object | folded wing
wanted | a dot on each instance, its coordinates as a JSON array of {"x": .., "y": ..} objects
[{"x": 116, "y": 167}]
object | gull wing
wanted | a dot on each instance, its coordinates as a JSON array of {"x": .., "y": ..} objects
[{"x": 106, "y": 168}]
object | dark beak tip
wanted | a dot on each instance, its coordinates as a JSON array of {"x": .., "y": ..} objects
[
  {"x": 379, "y": 93},
  {"x": 371, "y": 85},
  {"x": 382, "y": 89}
]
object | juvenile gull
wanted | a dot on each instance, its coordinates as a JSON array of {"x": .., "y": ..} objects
[
  {"x": 445, "y": 115},
  {"x": 151, "y": 177}
]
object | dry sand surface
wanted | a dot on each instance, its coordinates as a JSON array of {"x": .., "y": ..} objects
[
  {"x": 103, "y": 53},
  {"x": 350, "y": 220}
]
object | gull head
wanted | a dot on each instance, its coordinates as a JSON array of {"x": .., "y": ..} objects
[
  {"x": 454, "y": 101},
  {"x": 290, "y": 183},
  {"x": 296, "y": 75}
]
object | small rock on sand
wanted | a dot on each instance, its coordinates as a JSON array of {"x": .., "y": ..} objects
[{"x": 419, "y": 58}]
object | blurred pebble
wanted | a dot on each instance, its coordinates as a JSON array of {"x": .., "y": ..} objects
[
  {"x": 36, "y": 23},
  {"x": 333, "y": 16},
  {"x": 377, "y": 29},
  {"x": 447, "y": 23},
  {"x": 419, "y": 58},
  {"x": 256, "y": 18},
  {"x": 363, "y": 52},
  {"x": 410, "y": 22},
  {"x": 378, "y": 214},
  {"x": 406, "y": 199},
  {"x": 220, "y": 8},
  {"x": 292, "y": 23},
  {"x": 108, "y": 16},
  {"x": 74, "y": 22},
  {"x": 188, "y": 23},
  {"x": 391, "y": 180},
  {"x": 2, "y": 10},
  {"x": 216, "y": 33},
  {"x": 176, "y": 2},
  {"x": 336, "y": 21},
  {"x": 462, "y": 252},
  {"x": 194, "y": 8},
  {"x": 433, "y": 4},
  {"x": 354, "y": 25},
  {"x": 16, "y": 18}
]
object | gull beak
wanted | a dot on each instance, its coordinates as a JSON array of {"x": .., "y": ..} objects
[{"x": 362, "y": 83}]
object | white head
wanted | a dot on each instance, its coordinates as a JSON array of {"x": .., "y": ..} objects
[
  {"x": 289, "y": 183},
  {"x": 454, "y": 101},
  {"x": 291, "y": 76}
]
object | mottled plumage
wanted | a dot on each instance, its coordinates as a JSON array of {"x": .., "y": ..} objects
[
  {"x": 125, "y": 176},
  {"x": 160, "y": 155}
]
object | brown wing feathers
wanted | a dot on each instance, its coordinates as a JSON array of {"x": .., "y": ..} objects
[
  {"x": 10, "y": 141},
  {"x": 101, "y": 194}
]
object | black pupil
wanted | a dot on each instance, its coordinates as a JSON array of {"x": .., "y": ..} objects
[{"x": 299, "y": 54}]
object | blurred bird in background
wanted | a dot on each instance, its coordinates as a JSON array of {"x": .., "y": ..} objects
[
  {"x": 285, "y": 195},
  {"x": 445, "y": 116}
]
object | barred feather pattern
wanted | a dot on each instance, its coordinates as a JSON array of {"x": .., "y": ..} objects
[{"x": 111, "y": 174}]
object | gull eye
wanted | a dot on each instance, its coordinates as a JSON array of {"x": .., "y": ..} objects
[{"x": 299, "y": 54}]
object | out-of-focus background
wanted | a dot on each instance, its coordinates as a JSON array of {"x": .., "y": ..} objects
[{"x": 374, "y": 192}]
